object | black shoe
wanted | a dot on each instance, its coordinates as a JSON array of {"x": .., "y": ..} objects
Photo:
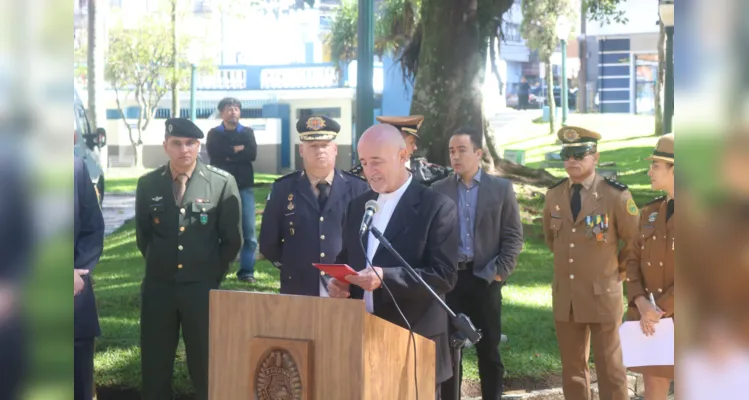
[{"x": 248, "y": 279}]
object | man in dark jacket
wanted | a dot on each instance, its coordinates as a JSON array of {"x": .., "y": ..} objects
[
  {"x": 88, "y": 243},
  {"x": 232, "y": 148}
]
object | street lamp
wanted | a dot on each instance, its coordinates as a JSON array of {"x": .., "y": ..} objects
[
  {"x": 192, "y": 59},
  {"x": 666, "y": 11},
  {"x": 563, "y": 32}
]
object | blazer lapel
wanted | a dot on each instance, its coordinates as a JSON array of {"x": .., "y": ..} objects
[
  {"x": 590, "y": 203},
  {"x": 564, "y": 203},
  {"x": 483, "y": 203},
  {"x": 305, "y": 189},
  {"x": 403, "y": 214}
]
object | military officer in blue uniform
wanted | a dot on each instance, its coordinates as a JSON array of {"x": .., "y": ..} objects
[
  {"x": 304, "y": 210},
  {"x": 88, "y": 246},
  {"x": 422, "y": 170}
]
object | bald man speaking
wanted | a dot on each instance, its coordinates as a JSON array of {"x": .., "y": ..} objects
[{"x": 420, "y": 224}]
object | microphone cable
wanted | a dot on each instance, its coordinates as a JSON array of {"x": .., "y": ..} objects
[{"x": 408, "y": 324}]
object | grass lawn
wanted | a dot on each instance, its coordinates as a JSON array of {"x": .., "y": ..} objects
[{"x": 531, "y": 353}]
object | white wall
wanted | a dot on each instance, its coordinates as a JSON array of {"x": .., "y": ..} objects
[{"x": 642, "y": 18}]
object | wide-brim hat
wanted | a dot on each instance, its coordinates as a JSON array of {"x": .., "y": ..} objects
[
  {"x": 575, "y": 136},
  {"x": 409, "y": 124},
  {"x": 664, "y": 149}
]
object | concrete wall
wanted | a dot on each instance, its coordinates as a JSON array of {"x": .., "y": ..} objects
[{"x": 267, "y": 135}]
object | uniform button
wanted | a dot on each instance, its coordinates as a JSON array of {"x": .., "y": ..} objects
[
  {"x": 648, "y": 263},
  {"x": 322, "y": 255},
  {"x": 572, "y": 276},
  {"x": 647, "y": 290},
  {"x": 322, "y": 237},
  {"x": 660, "y": 263},
  {"x": 179, "y": 266},
  {"x": 181, "y": 228},
  {"x": 664, "y": 237},
  {"x": 322, "y": 219},
  {"x": 182, "y": 210},
  {"x": 627, "y": 279},
  {"x": 283, "y": 240},
  {"x": 571, "y": 261},
  {"x": 660, "y": 290},
  {"x": 654, "y": 238},
  {"x": 203, "y": 209},
  {"x": 573, "y": 230},
  {"x": 572, "y": 245},
  {"x": 179, "y": 247},
  {"x": 322, "y": 272},
  {"x": 608, "y": 290},
  {"x": 642, "y": 248}
]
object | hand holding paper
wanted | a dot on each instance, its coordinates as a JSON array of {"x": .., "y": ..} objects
[{"x": 641, "y": 350}]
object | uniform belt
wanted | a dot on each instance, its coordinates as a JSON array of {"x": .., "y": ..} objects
[{"x": 465, "y": 265}]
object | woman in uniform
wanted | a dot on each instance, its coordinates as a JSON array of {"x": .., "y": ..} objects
[{"x": 650, "y": 275}]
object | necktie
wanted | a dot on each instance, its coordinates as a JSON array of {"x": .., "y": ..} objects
[
  {"x": 324, "y": 188},
  {"x": 180, "y": 185},
  {"x": 670, "y": 209},
  {"x": 576, "y": 201}
]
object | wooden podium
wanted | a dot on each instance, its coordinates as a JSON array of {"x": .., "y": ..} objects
[{"x": 280, "y": 347}]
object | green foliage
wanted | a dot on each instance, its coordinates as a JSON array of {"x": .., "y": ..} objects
[
  {"x": 605, "y": 11},
  {"x": 540, "y": 21},
  {"x": 395, "y": 24}
]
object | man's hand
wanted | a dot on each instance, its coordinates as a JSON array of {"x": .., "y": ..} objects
[
  {"x": 238, "y": 148},
  {"x": 367, "y": 279},
  {"x": 78, "y": 283},
  {"x": 649, "y": 315},
  {"x": 338, "y": 289},
  {"x": 497, "y": 278}
]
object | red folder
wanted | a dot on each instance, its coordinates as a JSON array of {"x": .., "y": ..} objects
[{"x": 338, "y": 271}]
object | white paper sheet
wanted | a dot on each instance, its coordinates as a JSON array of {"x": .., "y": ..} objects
[{"x": 640, "y": 350}]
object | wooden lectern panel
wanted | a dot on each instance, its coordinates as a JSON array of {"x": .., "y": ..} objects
[{"x": 310, "y": 348}]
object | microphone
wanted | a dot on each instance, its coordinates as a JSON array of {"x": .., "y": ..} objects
[{"x": 370, "y": 210}]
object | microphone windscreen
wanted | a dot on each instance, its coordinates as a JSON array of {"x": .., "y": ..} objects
[{"x": 373, "y": 205}]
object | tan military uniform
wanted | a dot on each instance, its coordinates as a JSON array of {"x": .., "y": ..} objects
[
  {"x": 650, "y": 269},
  {"x": 587, "y": 287}
]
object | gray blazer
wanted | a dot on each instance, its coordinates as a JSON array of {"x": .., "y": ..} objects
[{"x": 498, "y": 232}]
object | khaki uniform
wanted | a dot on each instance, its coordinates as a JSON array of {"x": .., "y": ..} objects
[
  {"x": 651, "y": 269},
  {"x": 587, "y": 287}
]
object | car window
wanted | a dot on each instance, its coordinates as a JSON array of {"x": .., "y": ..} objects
[{"x": 82, "y": 120}]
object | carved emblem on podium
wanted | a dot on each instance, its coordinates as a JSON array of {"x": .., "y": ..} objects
[{"x": 278, "y": 377}]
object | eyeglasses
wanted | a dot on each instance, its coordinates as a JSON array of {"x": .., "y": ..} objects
[{"x": 577, "y": 154}]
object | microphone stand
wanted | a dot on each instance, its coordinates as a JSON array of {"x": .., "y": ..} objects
[{"x": 464, "y": 330}]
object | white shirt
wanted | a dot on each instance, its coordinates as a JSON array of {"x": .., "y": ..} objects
[{"x": 387, "y": 203}]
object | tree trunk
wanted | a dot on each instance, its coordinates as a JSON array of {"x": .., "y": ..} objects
[
  {"x": 660, "y": 81},
  {"x": 550, "y": 95},
  {"x": 175, "y": 67},
  {"x": 448, "y": 85},
  {"x": 137, "y": 155}
]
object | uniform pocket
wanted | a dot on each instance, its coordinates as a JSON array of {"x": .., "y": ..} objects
[
  {"x": 203, "y": 214},
  {"x": 608, "y": 296},
  {"x": 648, "y": 235},
  {"x": 555, "y": 225}
]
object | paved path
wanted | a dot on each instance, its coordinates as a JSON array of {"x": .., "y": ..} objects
[{"x": 118, "y": 208}]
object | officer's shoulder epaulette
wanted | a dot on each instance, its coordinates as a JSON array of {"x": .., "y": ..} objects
[
  {"x": 658, "y": 199},
  {"x": 353, "y": 175},
  {"x": 616, "y": 184},
  {"x": 289, "y": 175},
  {"x": 217, "y": 171},
  {"x": 164, "y": 169},
  {"x": 558, "y": 183}
]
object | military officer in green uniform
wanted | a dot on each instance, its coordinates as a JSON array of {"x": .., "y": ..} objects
[
  {"x": 422, "y": 170},
  {"x": 188, "y": 229}
]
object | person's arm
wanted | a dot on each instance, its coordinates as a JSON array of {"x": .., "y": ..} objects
[
  {"x": 229, "y": 223},
  {"x": 510, "y": 235},
  {"x": 548, "y": 234},
  {"x": 634, "y": 285},
  {"x": 270, "y": 238},
  {"x": 439, "y": 270},
  {"x": 627, "y": 229},
  {"x": 217, "y": 148},
  {"x": 249, "y": 153},
  {"x": 90, "y": 241},
  {"x": 142, "y": 220}
]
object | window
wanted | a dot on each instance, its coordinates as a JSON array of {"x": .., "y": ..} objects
[
  {"x": 82, "y": 121},
  {"x": 512, "y": 33},
  {"x": 328, "y": 112}
]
